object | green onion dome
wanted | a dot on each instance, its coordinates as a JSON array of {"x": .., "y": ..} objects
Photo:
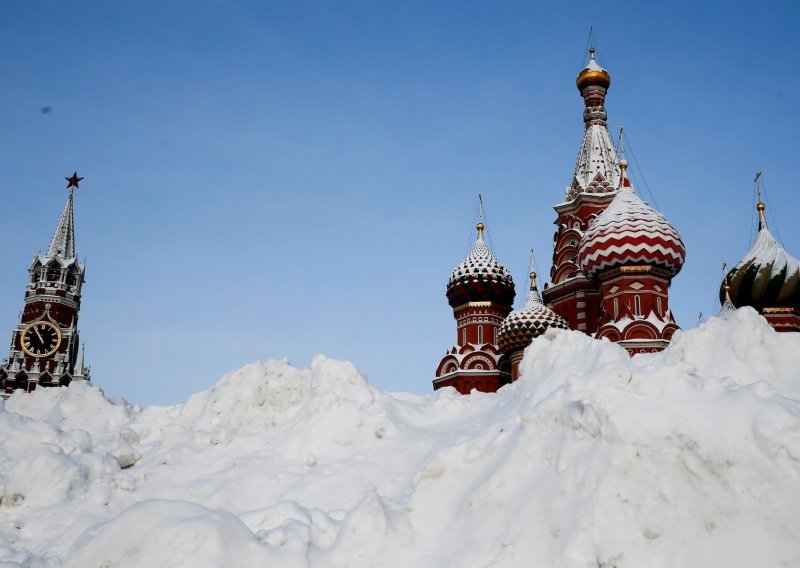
[{"x": 767, "y": 277}]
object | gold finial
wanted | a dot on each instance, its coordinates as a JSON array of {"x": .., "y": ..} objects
[
  {"x": 480, "y": 226},
  {"x": 727, "y": 288},
  {"x": 762, "y": 219},
  {"x": 533, "y": 270}
]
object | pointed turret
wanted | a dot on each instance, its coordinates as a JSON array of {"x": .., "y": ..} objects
[
  {"x": 594, "y": 183},
  {"x": 481, "y": 292},
  {"x": 596, "y": 167},
  {"x": 63, "y": 242}
]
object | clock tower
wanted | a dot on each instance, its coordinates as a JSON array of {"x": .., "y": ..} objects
[{"x": 45, "y": 346}]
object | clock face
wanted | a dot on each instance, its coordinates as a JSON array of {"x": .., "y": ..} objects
[{"x": 41, "y": 339}]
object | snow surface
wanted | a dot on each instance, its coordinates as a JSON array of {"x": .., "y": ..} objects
[{"x": 690, "y": 457}]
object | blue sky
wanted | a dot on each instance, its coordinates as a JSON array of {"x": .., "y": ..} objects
[{"x": 281, "y": 180}]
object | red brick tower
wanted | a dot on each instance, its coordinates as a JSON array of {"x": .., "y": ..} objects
[
  {"x": 570, "y": 293},
  {"x": 45, "y": 346},
  {"x": 481, "y": 293},
  {"x": 632, "y": 253}
]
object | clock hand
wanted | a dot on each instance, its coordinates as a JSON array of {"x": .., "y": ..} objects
[{"x": 39, "y": 335}]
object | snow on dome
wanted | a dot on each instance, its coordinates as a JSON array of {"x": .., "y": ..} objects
[
  {"x": 629, "y": 232},
  {"x": 480, "y": 277},
  {"x": 767, "y": 276},
  {"x": 524, "y": 325},
  {"x": 593, "y": 75}
]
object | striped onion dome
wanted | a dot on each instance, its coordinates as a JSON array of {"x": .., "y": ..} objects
[
  {"x": 630, "y": 232},
  {"x": 767, "y": 276},
  {"x": 522, "y": 326},
  {"x": 480, "y": 278}
]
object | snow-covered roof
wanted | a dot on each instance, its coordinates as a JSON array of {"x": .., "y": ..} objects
[
  {"x": 530, "y": 321},
  {"x": 597, "y": 162},
  {"x": 63, "y": 242},
  {"x": 766, "y": 276},
  {"x": 629, "y": 231},
  {"x": 479, "y": 277}
]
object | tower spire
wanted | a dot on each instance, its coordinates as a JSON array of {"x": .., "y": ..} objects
[
  {"x": 597, "y": 156},
  {"x": 533, "y": 270},
  {"x": 762, "y": 219},
  {"x": 63, "y": 242},
  {"x": 481, "y": 221}
]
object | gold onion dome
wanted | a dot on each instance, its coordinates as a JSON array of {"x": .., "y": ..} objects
[
  {"x": 524, "y": 325},
  {"x": 480, "y": 278},
  {"x": 767, "y": 277},
  {"x": 593, "y": 75}
]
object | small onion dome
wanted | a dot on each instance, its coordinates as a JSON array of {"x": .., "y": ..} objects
[
  {"x": 630, "y": 232},
  {"x": 480, "y": 278},
  {"x": 767, "y": 276},
  {"x": 527, "y": 323},
  {"x": 593, "y": 75}
]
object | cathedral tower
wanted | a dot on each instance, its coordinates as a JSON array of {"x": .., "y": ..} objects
[
  {"x": 594, "y": 183},
  {"x": 45, "y": 347},
  {"x": 632, "y": 253},
  {"x": 481, "y": 293}
]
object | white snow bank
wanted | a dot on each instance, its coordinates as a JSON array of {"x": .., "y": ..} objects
[{"x": 690, "y": 457}]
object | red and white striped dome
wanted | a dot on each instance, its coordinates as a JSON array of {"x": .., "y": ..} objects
[{"x": 630, "y": 232}]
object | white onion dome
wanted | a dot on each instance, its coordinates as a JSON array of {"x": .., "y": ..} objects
[
  {"x": 480, "y": 278},
  {"x": 524, "y": 325},
  {"x": 630, "y": 232},
  {"x": 767, "y": 276}
]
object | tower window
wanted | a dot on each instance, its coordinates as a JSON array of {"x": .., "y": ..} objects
[
  {"x": 616, "y": 308},
  {"x": 463, "y": 336},
  {"x": 658, "y": 303},
  {"x": 637, "y": 305},
  {"x": 480, "y": 334}
]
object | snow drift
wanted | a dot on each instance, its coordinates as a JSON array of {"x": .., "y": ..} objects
[{"x": 690, "y": 457}]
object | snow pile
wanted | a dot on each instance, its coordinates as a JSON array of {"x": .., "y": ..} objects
[{"x": 690, "y": 457}]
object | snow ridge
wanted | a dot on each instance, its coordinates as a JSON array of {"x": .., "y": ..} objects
[{"x": 688, "y": 457}]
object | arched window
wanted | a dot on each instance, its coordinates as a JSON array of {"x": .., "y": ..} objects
[
  {"x": 480, "y": 334},
  {"x": 637, "y": 309},
  {"x": 616, "y": 308},
  {"x": 53, "y": 273},
  {"x": 463, "y": 336},
  {"x": 660, "y": 311}
]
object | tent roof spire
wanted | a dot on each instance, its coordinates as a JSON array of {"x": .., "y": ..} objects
[{"x": 63, "y": 242}]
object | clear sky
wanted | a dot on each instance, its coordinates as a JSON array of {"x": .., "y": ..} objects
[{"x": 270, "y": 180}]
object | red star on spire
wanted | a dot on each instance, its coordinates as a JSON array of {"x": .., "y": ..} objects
[{"x": 73, "y": 181}]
